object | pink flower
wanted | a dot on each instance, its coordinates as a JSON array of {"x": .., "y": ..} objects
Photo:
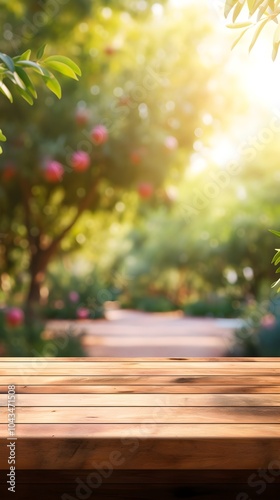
[
  {"x": 14, "y": 316},
  {"x": 83, "y": 313},
  {"x": 74, "y": 296},
  {"x": 80, "y": 161},
  {"x": 99, "y": 134},
  {"x": 53, "y": 171}
]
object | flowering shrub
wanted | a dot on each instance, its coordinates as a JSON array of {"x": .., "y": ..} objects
[
  {"x": 17, "y": 339},
  {"x": 74, "y": 297}
]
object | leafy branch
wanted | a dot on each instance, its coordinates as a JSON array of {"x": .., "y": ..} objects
[
  {"x": 276, "y": 260},
  {"x": 19, "y": 69},
  {"x": 259, "y": 14}
]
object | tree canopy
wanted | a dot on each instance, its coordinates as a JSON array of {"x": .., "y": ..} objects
[{"x": 128, "y": 126}]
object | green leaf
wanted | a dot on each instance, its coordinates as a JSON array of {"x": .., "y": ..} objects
[
  {"x": 35, "y": 66},
  {"x": 277, "y": 233},
  {"x": 65, "y": 60},
  {"x": 275, "y": 256},
  {"x": 275, "y": 283},
  {"x": 2, "y": 136},
  {"x": 41, "y": 51},
  {"x": 26, "y": 80},
  {"x": 277, "y": 260},
  {"x": 4, "y": 89},
  {"x": 53, "y": 84},
  {"x": 18, "y": 81},
  {"x": 26, "y": 96},
  {"x": 7, "y": 61},
  {"x": 61, "y": 68},
  {"x": 24, "y": 56}
]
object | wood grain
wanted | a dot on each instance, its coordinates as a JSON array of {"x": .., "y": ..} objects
[
  {"x": 126, "y": 369},
  {"x": 143, "y": 431},
  {"x": 41, "y": 363},
  {"x": 140, "y": 415},
  {"x": 139, "y": 359},
  {"x": 161, "y": 414},
  {"x": 160, "y": 380},
  {"x": 148, "y": 400},
  {"x": 144, "y": 389},
  {"x": 146, "y": 452}
]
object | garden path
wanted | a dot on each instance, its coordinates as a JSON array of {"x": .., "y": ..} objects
[{"x": 127, "y": 333}]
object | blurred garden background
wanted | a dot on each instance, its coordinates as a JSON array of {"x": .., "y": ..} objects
[{"x": 150, "y": 186}]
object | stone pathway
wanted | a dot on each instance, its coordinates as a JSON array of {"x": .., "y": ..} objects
[{"x": 126, "y": 333}]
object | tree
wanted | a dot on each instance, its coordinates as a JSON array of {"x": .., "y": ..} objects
[
  {"x": 129, "y": 121},
  {"x": 16, "y": 71}
]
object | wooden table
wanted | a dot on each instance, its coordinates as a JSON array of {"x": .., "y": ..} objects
[{"x": 139, "y": 428}]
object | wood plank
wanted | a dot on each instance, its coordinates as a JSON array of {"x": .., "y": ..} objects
[
  {"x": 139, "y": 380},
  {"x": 185, "y": 369},
  {"x": 163, "y": 416},
  {"x": 141, "y": 453},
  {"x": 126, "y": 365},
  {"x": 262, "y": 432},
  {"x": 139, "y": 359},
  {"x": 144, "y": 389},
  {"x": 139, "y": 400},
  {"x": 136, "y": 415}
]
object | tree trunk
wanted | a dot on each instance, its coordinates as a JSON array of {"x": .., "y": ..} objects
[
  {"x": 34, "y": 290},
  {"x": 37, "y": 271}
]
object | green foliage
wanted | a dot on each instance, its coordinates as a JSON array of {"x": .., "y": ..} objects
[
  {"x": 215, "y": 307},
  {"x": 2, "y": 139},
  {"x": 87, "y": 289},
  {"x": 30, "y": 341},
  {"x": 276, "y": 259},
  {"x": 222, "y": 250},
  {"x": 259, "y": 13},
  {"x": 260, "y": 333},
  {"x": 151, "y": 303},
  {"x": 138, "y": 81},
  {"x": 134, "y": 83},
  {"x": 17, "y": 71}
]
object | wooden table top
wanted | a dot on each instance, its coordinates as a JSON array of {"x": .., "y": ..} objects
[{"x": 152, "y": 413}]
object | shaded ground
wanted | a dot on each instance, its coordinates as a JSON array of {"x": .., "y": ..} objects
[{"x": 133, "y": 333}]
